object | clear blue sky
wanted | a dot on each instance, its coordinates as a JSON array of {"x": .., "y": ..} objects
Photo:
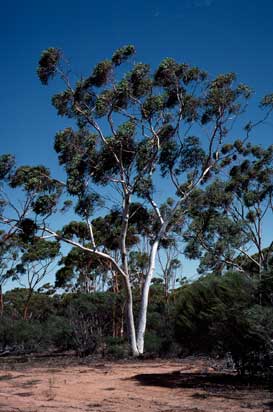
[{"x": 217, "y": 35}]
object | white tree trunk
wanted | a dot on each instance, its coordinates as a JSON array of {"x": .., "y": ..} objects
[
  {"x": 131, "y": 321},
  {"x": 128, "y": 287},
  {"x": 145, "y": 298}
]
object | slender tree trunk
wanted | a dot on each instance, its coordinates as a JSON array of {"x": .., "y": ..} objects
[
  {"x": 130, "y": 319},
  {"x": 166, "y": 285},
  {"x": 145, "y": 298},
  {"x": 114, "y": 311},
  {"x": 25, "y": 313},
  {"x": 26, "y": 306},
  {"x": 121, "y": 325},
  {"x": 261, "y": 262},
  {"x": 1, "y": 301},
  {"x": 114, "y": 321},
  {"x": 124, "y": 258},
  {"x": 118, "y": 309}
]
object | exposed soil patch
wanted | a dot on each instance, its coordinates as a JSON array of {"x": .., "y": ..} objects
[{"x": 190, "y": 385}]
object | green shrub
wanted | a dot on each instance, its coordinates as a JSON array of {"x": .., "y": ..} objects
[
  {"x": 117, "y": 348},
  {"x": 90, "y": 319},
  {"x": 220, "y": 314},
  {"x": 58, "y": 333},
  {"x": 159, "y": 338},
  {"x": 153, "y": 343},
  {"x": 19, "y": 335}
]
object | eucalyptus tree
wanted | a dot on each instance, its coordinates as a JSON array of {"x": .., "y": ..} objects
[
  {"x": 79, "y": 272},
  {"x": 230, "y": 225},
  {"x": 170, "y": 267},
  {"x": 139, "y": 136},
  {"x": 8, "y": 260},
  {"x": 36, "y": 259}
]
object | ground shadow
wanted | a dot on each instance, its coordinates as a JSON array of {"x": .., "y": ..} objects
[
  {"x": 269, "y": 405},
  {"x": 209, "y": 385},
  {"x": 206, "y": 381}
]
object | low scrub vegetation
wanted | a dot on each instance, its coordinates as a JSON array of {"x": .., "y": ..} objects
[{"x": 229, "y": 315}]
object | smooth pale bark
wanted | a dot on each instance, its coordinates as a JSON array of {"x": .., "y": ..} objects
[
  {"x": 128, "y": 287},
  {"x": 130, "y": 319},
  {"x": 145, "y": 299}
]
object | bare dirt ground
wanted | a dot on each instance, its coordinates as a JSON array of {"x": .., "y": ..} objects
[{"x": 189, "y": 385}]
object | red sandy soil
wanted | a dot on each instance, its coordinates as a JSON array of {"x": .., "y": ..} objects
[{"x": 189, "y": 385}]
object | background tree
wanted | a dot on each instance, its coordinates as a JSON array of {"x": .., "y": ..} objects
[
  {"x": 8, "y": 260},
  {"x": 229, "y": 217},
  {"x": 36, "y": 261},
  {"x": 170, "y": 264},
  {"x": 80, "y": 272}
]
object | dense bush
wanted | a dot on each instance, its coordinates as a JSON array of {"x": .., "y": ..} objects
[
  {"x": 42, "y": 305},
  {"x": 116, "y": 348},
  {"x": 220, "y": 314},
  {"x": 18, "y": 335},
  {"x": 90, "y": 320},
  {"x": 159, "y": 339},
  {"x": 58, "y": 333}
]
